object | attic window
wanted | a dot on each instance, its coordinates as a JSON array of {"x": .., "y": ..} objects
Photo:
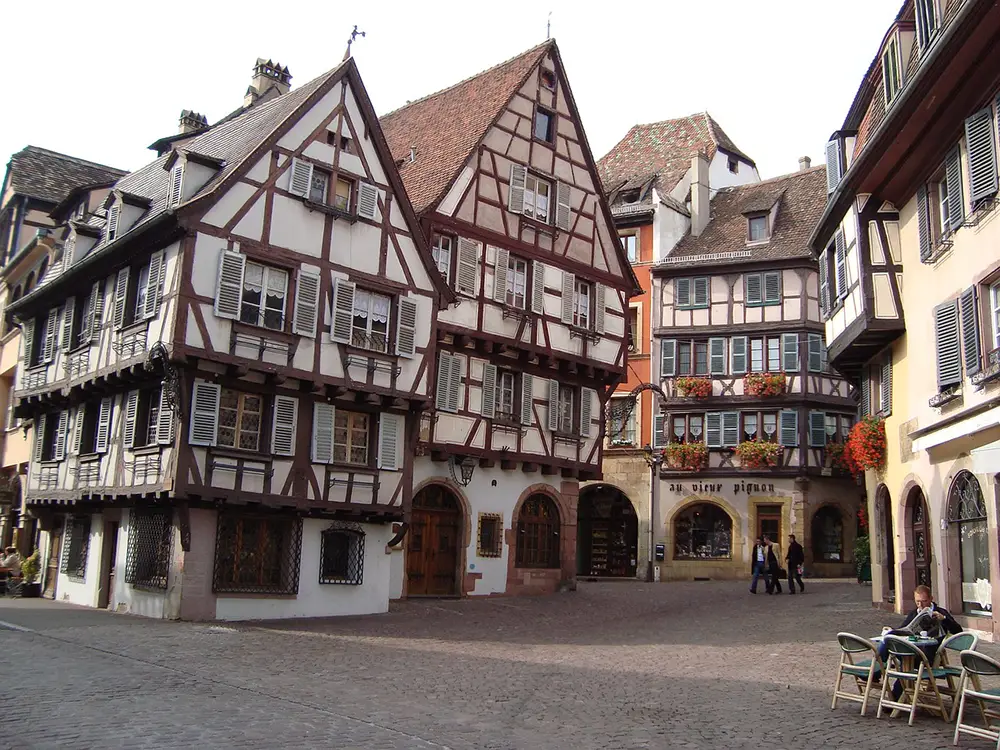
[
  {"x": 630, "y": 196},
  {"x": 733, "y": 165},
  {"x": 176, "y": 180},
  {"x": 891, "y": 80},
  {"x": 112, "y": 227},
  {"x": 548, "y": 79},
  {"x": 544, "y": 125},
  {"x": 757, "y": 229}
]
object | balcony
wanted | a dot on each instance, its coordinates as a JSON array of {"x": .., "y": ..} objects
[{"x": 862, "y": 340}]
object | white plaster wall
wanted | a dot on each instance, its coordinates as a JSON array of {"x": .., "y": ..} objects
[
  {"x": 84, "y": 592},
  {"x": 669, "y": 227},
  {"x": 719, "y": 175}
]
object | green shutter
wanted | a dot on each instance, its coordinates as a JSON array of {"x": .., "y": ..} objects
[
  {"x": 788, "y": 428},
  {"x": 817, "y": 429},
  {"x": 738, "y": 355}
]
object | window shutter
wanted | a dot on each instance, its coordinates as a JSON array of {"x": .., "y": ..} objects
[
  {"x": 866, "y": 389},
  {"x": 468, "y": 266},
  {"x": 229, "y": 286},
  {"x": 322, "y": 433},
  {"x": 817, "y": 429},
  {"x": 153, "y": 285},
  {"x": 885, "y": 387},
  {"x": 67, "y": 323},
  {"x": 454, "y": 383},
  {"x": 713, "y": 429},
  {"x": 568, "y": 296},
  {"x": 553, "y": 405},
  {"x": 527, "y": 398},
  {"x": 515, "y": 198},
  {"x": 923, "y": 223},
  {"x": 754, "y": 291},
  {"x": 443, "y": 379},
  {"x": 51, "y": 327},
  {"x": 390, "y": 432},
  {"x": 824, "y": 284},
  {"x": 982, "y": 155},
  {"x": 40, "y": 437},
  {"x": 971, "y": 353},
  {"x": 841, "y": 257},
  {"x": 537, "y": 287},
  {"x": 730, "y": 429},
  {"x": 113, "y": 215},
  {"x": 406, "y": 327},
  {"x": 27, "y": 338},
  {"x": 586, "y": 411},
  {"x": 658, "y": 420},
  {"x": 738, "y": 354},
  {"x": 500, "y": 275},
  {"x": 956, "y": 202},
  {"x": 488, "y": 407},
  {"x": 772, "y": 287},
  {"x": 949, "y": 361},
  {"x": 682, "y": 292},
  {"x": 717, "y": 356},
  {"x": 97, "y": 318},
  {"x": 69, "y": 251},
  {"x": 563, "y": 212},
  {"x": 165, "y": 420},
  {"x": 204, "y": 427},
  {"x": 104, "y": 425},
  {"x": 815, "y": 352},
  {"x": 59, "y": 449},
  {"x": 367, "y": 200},
  {"x": 833, "y": 165},
  {"x": 121, "y": 295},
  {"x": 788, "y": 428},
  {"x": 343, "y": 311},
  {"x": 176, "y": 178},
  {"x": 701, "y": 292},
  {"x": 668, "y": 358},
  {"x": 131, "y": 408},
  {"x": 306, "y": 303},
  {"x": 286, "y": 412},
  {"x": 599, "y": 307},
  {"x": 790, "y": 352},
  {"x": 300, "y": 179},
  {"x": 78, "y": 429}
]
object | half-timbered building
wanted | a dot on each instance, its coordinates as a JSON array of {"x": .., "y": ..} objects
[
  {"x": 499, "y": 170},
  {"x": 226, "y": 366},
  {"x": 754, "y": 417}
]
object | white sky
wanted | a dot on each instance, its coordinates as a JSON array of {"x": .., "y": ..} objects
[{"x": 104, "y": 81}]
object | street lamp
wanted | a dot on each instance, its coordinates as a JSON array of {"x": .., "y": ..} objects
[
  {"x": 653, "y": 460},
  {"x": 466, "y": 466}
]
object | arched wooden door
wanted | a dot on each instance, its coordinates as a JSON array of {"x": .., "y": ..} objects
[
  {"x": 432, "y": 551},
  {"x": 920, "y": 538}
]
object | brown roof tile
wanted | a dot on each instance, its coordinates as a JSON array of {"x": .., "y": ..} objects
[{"x": 50, "y": 176}]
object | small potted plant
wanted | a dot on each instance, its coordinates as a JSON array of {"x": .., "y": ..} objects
[
  {"x": 756, "y": 454},
  {"x": 686, "y": 456},
  {"x": 29, "y": 570},
  {"x": 695, "y": 387},
  {"x": 764, "y": 384}
]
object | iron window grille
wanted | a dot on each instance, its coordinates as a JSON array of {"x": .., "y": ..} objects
[
  {"x": 342, "y": 554},
  {"x": 77, "y": 545},
  {"x": 257, "y": 554},
  {"x": 490, "y": 535},
  {"x": 150, "y": 542}
]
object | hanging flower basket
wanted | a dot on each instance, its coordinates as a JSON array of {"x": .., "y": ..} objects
[
  {"x": 764, "y": 384},
  {"x": 757, "y": 454},
  {"x": 686, "y": 456},
  {"x": 865, "y": 447},
  {"x": 695, "y": 387}
]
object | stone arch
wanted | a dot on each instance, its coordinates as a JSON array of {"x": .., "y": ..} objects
[
  {"x": 735, "y": 518},
  {"x": 462, "y": 543},
  {"x": 607, "y": 539},
  {"x": 966, "y": 544},
  {"x": 883, "y": 541},
  {"x": 536, "y": 580}
]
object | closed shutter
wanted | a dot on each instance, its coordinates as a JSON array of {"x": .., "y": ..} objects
[
  {"x": 956, "y": 201},
  {"x": 204, "y": 427},
  {"x": 717, "y": 356},
  {"x": 527, "y": 398},
  {"x": 300, "y": 178},
  {"x": 658, "y": 427},
  {"x": 599, "y": 307},
  {"x": 563, "y": 212},
  {"x": 500, "y": 275},
  {"x": 568, "y": 296},
  {"x": 701, "y": 292},
  {"x": 730, "y": 429},
  {"x": 824, "y": 284},
  {"x": 51, "y": 327},
  {"x": 924, "y": 223},
  {"x": 229, "y": 286},
  {"x": 817, "y": 429},
  {"x": 390, "y": 441},
  {"x": 788, "y": 428},
  {"x": 286, "y": 412},
  {"x": 738, "y": 355},
  {"x": 833, "y": 165},
  {"x": 343, "y": 311},
  {"x": 443, "y": 378},
  {"x": 176, "y": 179},
  {"x": 772, "y": 287},
  {"x": 866, "y": 393},
  {"x": 165, "y": 420},
  {"x": 27, "y": 339},
  {"x": 971, "y": 352},
  {"x": 754, "y": 290},
  {"x": 982, "y": 155},
  {"x": 306, "y": 316},
  {"x": 406, "y": 327},
  {"x": 97, "y": 319},
  {"x": 537, "y": 287},
  {"x": 949, "y": 361},
  {"x": 104, "y": 425},
  {"x": 515, "y": 198},
  {"x": 67, "y": 323},
  {"x": 668, "y": 358},
  {"x": 815, "y": 352},
  {"x": 154, "y": 285},
  {"x": 682, "y": 292},
  {"x": 69, "y": 251},
  {"x": 488, "y": 408},
  {"x": 113, "y": 215},
  {"x": 885, "y": 387},
  {"x": 121, "y": 296},
  {"x": 367, "y": 200},
  {"x": 40, "y": 437},
  {"x": 322, "y": 433},
  {"x": 713, "y": 429},
  {"x": 553, "y": 414},
  {"x": 455, "y": 383},
  {"x": 59, "y": 449},
  {"x": 131, "y": 409},
  {"x": 586, "y": 411},
  {"x": 77, "y": 440},
  {"x": 468, "y": 266},
  {"x": 790, "y": 352},
  {"x": 841, "y": 258}
]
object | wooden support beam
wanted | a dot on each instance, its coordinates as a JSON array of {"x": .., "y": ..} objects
[
  {"x": 529, "y": 468},
  {"x": 549, "y": 470},
  {"x": 508, "y": 464},
  {"x": 487, "y": 463}
]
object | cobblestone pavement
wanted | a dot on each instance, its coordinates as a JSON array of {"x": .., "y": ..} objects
[{"x": 612, "y": 665}]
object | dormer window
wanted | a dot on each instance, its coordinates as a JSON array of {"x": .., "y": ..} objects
[
  {"x": 113, "y": 213},
  {"x": 891, "y": 77},
  {"x": 176, "y": 180},
  {"x": 733, "y": 165},
  {"x": 545, "y": 125},
  {"x": 81, "y": 210},
  {"x": 549, "y": 79},
  {"x": 630, "y": 196},
  {"x": 757, "y": 229},
  {"x": 926, "y": 22}
]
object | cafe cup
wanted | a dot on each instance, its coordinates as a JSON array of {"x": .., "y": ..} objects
[{"x": 923, "y": 633}]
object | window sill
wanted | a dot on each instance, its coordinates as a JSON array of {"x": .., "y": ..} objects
[
  {"x": 146, "y": 450},
  {"x": 254, "y": 595},
  {"x": 330, "y": 210},
  {"x": 48, "y": 462},
  {"x": 238, "y": 453},
  {"x": 567, "y": 437},
  {"x": 693, "y": 307},
  {"x": 249, "y": 329},
  {"x": 539, "y": 225},
  {"x": 766, "y": 303},
  {"x": 946, "y": 396},
  {"x": 89, "y": 458},
  {"x": 356, "y": 468},
  {"x": 584, "y": 333},
  {"x": 134, "y": 327}
]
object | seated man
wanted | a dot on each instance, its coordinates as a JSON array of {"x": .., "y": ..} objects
[{"x": 11, "y": 562}]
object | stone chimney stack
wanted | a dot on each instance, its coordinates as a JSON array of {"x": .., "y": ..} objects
[
  {"x": 804, "y": 163},
  {"x": 267, "y": 75},
  {"x": 191, "y": 121},
  {"x": 700, "y": 201}
]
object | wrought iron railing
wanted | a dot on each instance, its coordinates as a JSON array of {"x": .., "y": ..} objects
[
  {"x": 373, "y": 342},
  {"x": 48, "y": 478},
  {"x": 257, "y": 554},
  {"x": 145, "y": 469},
  {"x": 342, "y": 554},
  {"x": 77, "y": 364},
  {"x": 130, "y": 344}
]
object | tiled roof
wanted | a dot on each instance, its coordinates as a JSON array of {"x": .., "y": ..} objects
[
  {"x": 446, "y": 126},
  {"x": 50, "y": 176},
  {"x": 801, "y": 198}
]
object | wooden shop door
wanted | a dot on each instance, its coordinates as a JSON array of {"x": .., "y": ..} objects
[
  {"x": 52, "y": 566},
  {"x": 432, "y": 553}
]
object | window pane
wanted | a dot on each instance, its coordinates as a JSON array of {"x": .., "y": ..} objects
[
  {"x": 758, "y": 228},
  {"x": 701, "y": 358},
  {"x": 774, "y": 355},
  {"x": 543, "y": 125},
  {"x": 140, "y": 291},
  {"x": 342, "y": 199},
  {"x": 757, "y": 355},
  {"x": 317, "y": 187},
  {"x": 684, "y": 359}
]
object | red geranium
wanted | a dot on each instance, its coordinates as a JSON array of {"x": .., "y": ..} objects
[{"x": 866, "y": 445}]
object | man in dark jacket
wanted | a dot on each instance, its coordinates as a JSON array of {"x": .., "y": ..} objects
[
  {"x": 773, "y": 567},
  {"x": 794, "y": 557}
]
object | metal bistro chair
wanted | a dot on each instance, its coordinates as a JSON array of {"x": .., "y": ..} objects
[
  {"x": 865, "y": 677},
  {"x": 917, "y": 681},
  {"x": 975, "y": 666},
  {"x": 951, "y": 648}
]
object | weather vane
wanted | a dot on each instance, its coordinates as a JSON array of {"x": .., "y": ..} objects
[{"x": 354, "y": 35}]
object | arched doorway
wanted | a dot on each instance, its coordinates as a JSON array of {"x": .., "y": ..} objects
[
  {"x": 607, "y": 542},
  {"x": 967, "y": 512},
  {"x": 432, "y": 552},
  {"x": 537, "y": 544},
  {"x": 828, "y": 535},
  {"x": 885, "y": 546},
  {"x": 919, "y": 537}
]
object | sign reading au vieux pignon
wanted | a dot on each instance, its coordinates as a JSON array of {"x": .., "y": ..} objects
[{"x": 711, "y": 489}]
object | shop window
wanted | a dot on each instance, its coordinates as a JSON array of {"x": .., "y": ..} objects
[
  {"x": 828, "y": 535},
  {"x": 257, "y": 554},
  {"x": 703, "y": 531},
  {"x": 967, "y": 510}
]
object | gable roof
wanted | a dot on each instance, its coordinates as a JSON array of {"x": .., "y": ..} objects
[
  {"x": 800, "y": 199},
  {"x": 50, "y": 176}
]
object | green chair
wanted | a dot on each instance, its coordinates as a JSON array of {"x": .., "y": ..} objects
[
  {"x": 909, "y": 665},
  {"x": 852, "y": 664},
  {"x": 975, "y": 667},
  {"x": 951, "y": 649}
]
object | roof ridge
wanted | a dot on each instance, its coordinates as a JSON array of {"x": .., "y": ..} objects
[
  {"x": 77, "y": 159},
  {"x": 669, "y": 119},
  {"x": 769, "y": 180}
]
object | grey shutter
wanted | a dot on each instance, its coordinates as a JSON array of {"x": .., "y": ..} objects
[
  {"x": 454, "y": 383},
  {"x": 788, "y": 428},
  {"x": 971, "y": 352},
  {"x": 682, "y": 292},
  {"x": 717, "y": 356},
  {"x": 165, "y": 420},
  {"x": 701, "y": 292},
  {"x": 306, "y": 318},
  {"x": 121, "y": 296},
  {"x": 553, "y": 414},
  {"x": 824, "y": 283},
  {"x": 468, "y": 266},
  {"x": 924, "y": 223},
  {"x": 599, "y": 307},
  {"x": 488, "y": 407},
  {"x": 841, "y": 258},
  {"x": 790, "y": 352},
  {"x": 104, "y": 425},
  {"x": 982, "y": 155},
  {"x": 527, "y": 398},
  {"x": 500, "y": 275},
  {"x": 668, "y": 358},
  {"x": 772, "y": 287},
  {"x": 367, "y": 200},
  {"x": 713, "y": 429},
  {"x": 815, "y": 352},
  {"x": 27, "y": 338},
  {"x": 97, "y": 319},
  {"x": 204, "y": 426},
  {"x": 563, "y": 212},
  {"x": 568, "y": 296},
  {"x": 59, "y": 449},
  {"x": 176, "y": 179},
  {"x": 154, "y": 284},
  {"x": 229, "y": 285},
  {"x": 67, "y": 323},
  {"x": 730, "y": 429},
  {"x": 322, "y": 433},
  {"x": 390, "y": 430},
  {"x": 51, "y": 330},
  {"x": 956, "y": 201},
  {"x": 443, "y": 378},
  {"x": 586, "y": 411},
  {"x": 885, "y": 387},
  {"x": 286, "y": 412},
  {"x": 131, "y": 410},
  {"x": 537, "y": 287},
  {"x": 754, "y": 289},
  {"x": 833, "y": 165},
  {"x": 949, "y": 361},
  {"x": 658, "y": 427},
  {"x": 817, "y": 429},
  {"x": 343, "y": 311},
  {"x": 69, "y": 251},
  {"x": 866, "y": 392},
  {"x": 300, "y": 178},
  {"x": 515, "y": 198},
  {"x": 406, "y": 327},
  {"x": 738, "y": 354},
  {"x": 81, "y": 411},
  {"x": 113, "y": 215},
  {"x": 40, "y": 437}
]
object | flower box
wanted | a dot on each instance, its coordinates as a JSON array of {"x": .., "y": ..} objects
[
  {"x": 764, "y": 384},
  {"x": 757, "y": 454},
  {"x": 695, "y": 387},
  {"x": 686, "y": 456},
  {"x": 865, "y": 446}
]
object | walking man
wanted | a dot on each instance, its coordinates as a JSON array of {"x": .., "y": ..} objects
[
  {"x": 758, "y": 560},
  {"x": 795, "y": 557}
]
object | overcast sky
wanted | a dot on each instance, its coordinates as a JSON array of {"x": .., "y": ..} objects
[{"x": 104, "y": 81}]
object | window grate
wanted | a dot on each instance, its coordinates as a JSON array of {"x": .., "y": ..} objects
[
  {"x": 150, "y": 543},
  {"x": 490, "y": 535},
  {"x": 342, "y": 554},
  {"x": 77, "y": 545},
  {"x": 257, "y": 554}
]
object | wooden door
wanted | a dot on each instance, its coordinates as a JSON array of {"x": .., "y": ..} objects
[
  {"x": 106, "y": 598},
  {"x": 769, "y": 523},
  {"x": 920, "y": 540},
  {"x": 52, "y": 566},
  {"x": 432, "y": 553}
]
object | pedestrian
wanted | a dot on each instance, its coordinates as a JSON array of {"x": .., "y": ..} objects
[
  {"x": 773, "y": 567},
  {"x": 758, "y": 563},
  {"x": 11, "y": 562},
  {"x": 795, "y": 557}
]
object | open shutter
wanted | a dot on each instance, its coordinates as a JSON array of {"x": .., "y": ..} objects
[
  {"x": 204, "y": 427},
  {"x": 443, "y": 378},
  {"x": 956, "y": 201},
  {"x": 131, "y": 409},
  {"x": 322, "y": 433},
  {"x": 682, "y": 292},
  {"x": 817, "y": 429},
  {"x": 790, "y": 352},
  {"x": 59, "y": 449},
  {"x": 51, "y": 328},
  {"x": 815, "y": 352},
  {"x": 97, "y": 319},
  {"x": 788, "y": 428},
  {"x": 77, "y": 439},
  {"x": 730, "y": 429},
  {"x": 165, "y": 420},
  {"x": 713, "y": 429},
  {"x": 229, "y": 286},
  {"x": 971, "y": 352},
  {"x": 27, "y": 339},
  {"x": 772, "y": 287},
  {"x": 586, "y": 411},
  {"x": 286, "y": 412},
  {"x": 563, "y": 213},
  {"x": 885, "y": 387},
  {"x": 488, "y": 408},
  {"x": 738, "y": 354},
  {"x": 500, "y": 275},
  {"x": 121, "y": 295},
  {"x": 104, "y": 425},
  {"x": 343, "y": 311},
  {"x": 113, "y": 215},
  {"x": 754, "y": 290},
  {"x": 658, "y": 426},
  {"x": 40, "y": 437},
  {"x": 982, "y": 155},
  {"x": 367, "y": 200},
  {"x": 553, "y": 405},
  {"x": 67, "y": 323},
  {"x": 841, "y": 257},
  {"x": 454, "y": 383},
  {"x": 717, "y": 356},
  {"x": 406, "y": 327},
  {"x": 668, "y": 358},
  {"x": 599, "y": 307},
  {"x": 537, "y": 287},
  {"x": 306, "y": 315},
  {"x": 468, "y": 266},
  {"x": 824, "y": 284},
  {"x": 154, "y": 284},
  {"x": 833, "y": 165},
  {"x": 701, "y": 291},
  {"x": 949, "y": 361},
  {"x": 866, "y": 392},
  {"x": 515, "y": 198},
  {"x": 300, "y": 178},
  {"x": 527, "y": 398},
  {"x": 69, "y": 251},
  {"x": 568, "y": 295},
  {"x": 176, "y": 179},
  {"x": 924, "y": 223},
  {"x": 390, "y": 433}
]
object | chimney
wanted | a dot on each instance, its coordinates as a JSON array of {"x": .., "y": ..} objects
[
  {"x": 804, "y": 163},
  {"x": 191, "y": 121},
  {"x": 700, "y": 206},
  {"x": 267, "y": 75}
]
